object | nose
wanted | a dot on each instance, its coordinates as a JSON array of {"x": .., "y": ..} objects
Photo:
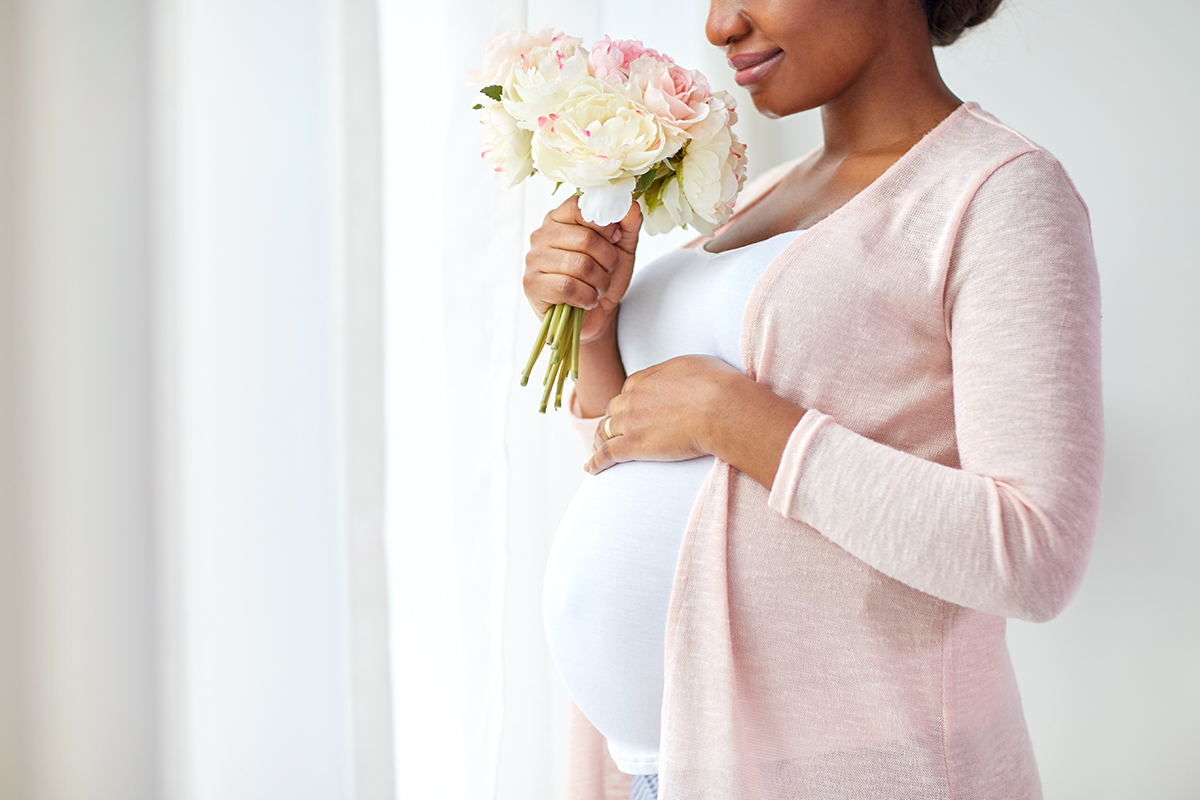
[{"x": 726, "y": 22}]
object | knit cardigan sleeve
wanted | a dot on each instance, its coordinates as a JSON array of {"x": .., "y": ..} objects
[{"x": 1010, "y": 531}]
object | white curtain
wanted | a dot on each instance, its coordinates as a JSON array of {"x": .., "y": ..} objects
[
  {"x": 76, "y": 519},
  {"x": 191, "y": 419}
]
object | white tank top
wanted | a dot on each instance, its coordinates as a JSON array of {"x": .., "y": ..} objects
[{"x": 612, "y": 563}]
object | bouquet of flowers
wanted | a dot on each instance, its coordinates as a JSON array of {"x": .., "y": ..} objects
[{"x": 619, "y": 122}]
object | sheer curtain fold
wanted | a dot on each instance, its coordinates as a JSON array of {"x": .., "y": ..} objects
[
  {"x": 271, "y": 285},
  {"x": 76, "y": 504},
  {"x": 358, "y": 143},
  {"x": 191, "y": 553}
]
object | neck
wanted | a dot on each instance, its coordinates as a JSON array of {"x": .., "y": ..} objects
[{"x": 897, "y": 100}]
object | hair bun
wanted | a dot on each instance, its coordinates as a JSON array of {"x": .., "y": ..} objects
[{"x": 949, "y": 18}]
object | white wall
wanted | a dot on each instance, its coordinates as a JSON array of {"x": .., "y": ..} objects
[{"x": 1110, "y": 687}]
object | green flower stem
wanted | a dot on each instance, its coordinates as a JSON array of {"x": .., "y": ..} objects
[
  {"x": 555, "y": 313},
  {"x": 556, "y": 358},
  {"x": 561, "y": 326},
  {"x": 563, "y": 369},
  {"x": 540, "y": 343},
  {"x": 576, "y": 329},
  {"x": 561, "y": 322},
  {"x": 551, "y": 371}
]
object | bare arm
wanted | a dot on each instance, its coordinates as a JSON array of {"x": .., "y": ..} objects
[{"x": 601, "y": 373}]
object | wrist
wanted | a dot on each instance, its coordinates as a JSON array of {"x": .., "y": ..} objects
[
  {"x": 601, "y": 349},
  {"x": 601, "y": 373},
  {"x": 606, "y": 333},
  {"x": 749, "y": 427},
  {"x": 727, "y": 399}
]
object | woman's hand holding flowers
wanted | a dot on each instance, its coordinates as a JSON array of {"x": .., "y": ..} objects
[
  {"x": 587, "y": 266},
  {"x": 571, "y": 260}
]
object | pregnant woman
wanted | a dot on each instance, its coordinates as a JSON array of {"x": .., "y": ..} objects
[{"x": 836, "y": 444}]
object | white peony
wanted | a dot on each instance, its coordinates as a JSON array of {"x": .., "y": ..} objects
[
  {"x": 505, "y": 51},
  {"x": 542, "y": 78},
  {"x": 504, "y": 144},
  {"x": 702, "y": 192},
  {"x": 600, "y": 140}
]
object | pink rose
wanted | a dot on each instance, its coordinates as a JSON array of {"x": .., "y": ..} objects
[
  {"x": 609, "y": 60},
  {"x": 505, "y": 51},
  {"x": 670, "y": 91}
]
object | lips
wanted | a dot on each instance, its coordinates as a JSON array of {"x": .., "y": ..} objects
[{"x": 752, "y": 67}]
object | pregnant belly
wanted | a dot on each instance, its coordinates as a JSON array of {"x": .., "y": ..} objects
[{"x": 608, "y": 584}]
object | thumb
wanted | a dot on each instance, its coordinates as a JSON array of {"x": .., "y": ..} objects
[{"x": 629, "y": 227}]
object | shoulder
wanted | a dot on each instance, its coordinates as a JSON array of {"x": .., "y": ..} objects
[
  {"x": 1000, "y": 159},
  {"x": 1022, "y": 224}
]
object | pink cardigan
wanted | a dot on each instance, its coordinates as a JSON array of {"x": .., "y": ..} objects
[{"x": 843, "y": 635}]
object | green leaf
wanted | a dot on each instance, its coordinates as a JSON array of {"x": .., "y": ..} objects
[
  {"x": 493, "y": 91},
  {"x": 653, "y": 194},
  {"x": 557, "y": 186},
  {"x": 477, "y": 106},
  {"x": 647, "y": 178}
]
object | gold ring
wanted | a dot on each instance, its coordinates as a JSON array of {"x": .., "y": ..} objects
[{"x": 608, "y": 434}]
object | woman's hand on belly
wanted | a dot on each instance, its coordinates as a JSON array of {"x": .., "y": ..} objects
[{"x": 692, "y": 406}]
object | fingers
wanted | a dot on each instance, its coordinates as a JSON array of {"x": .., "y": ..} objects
[
  {"x": 629, "y": 228},
  {"x": 572, "y": 261},
  {"x": 613, "y": 442},
  {"x": 580, "y": 237},
  {"x": 608, "y": 451},
  {"x": 563, "y": 276},
  {"x": 605, "y": 430},
  {"x": 569, "y": 214}
]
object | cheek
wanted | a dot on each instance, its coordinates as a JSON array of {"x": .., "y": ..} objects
[{"x": 828, "y": 45}]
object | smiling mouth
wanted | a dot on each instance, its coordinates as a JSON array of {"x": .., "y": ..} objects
[{"x": 752, "y": 67}]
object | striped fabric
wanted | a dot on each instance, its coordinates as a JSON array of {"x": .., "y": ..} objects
[{"x": 643, "y": 787}]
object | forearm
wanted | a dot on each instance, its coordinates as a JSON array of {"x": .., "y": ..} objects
[{"x": 601, "y": 373}]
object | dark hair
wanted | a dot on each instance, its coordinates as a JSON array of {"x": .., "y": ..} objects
[{"x": 949, "y": 18}]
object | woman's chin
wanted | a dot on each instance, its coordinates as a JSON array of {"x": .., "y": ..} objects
[
  {"x": 764, "y": 106},
  {"x": 772, "y": 106},
  {"x": 768, "y": 102}
]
